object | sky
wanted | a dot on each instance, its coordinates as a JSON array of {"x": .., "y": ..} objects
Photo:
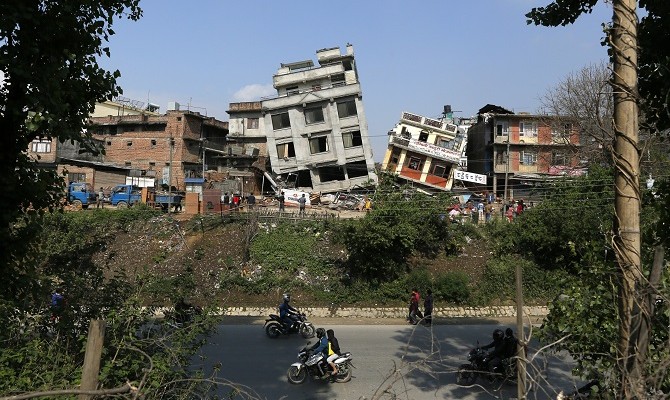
[{"x": 411, "y": 56}]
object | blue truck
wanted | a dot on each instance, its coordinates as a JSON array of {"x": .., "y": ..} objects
[
  {"x": 80, "y": 194},
  {"x": 124, "y": 196}
]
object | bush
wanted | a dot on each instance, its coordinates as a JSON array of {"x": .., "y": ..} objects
[{"x": 452, "y": 287}]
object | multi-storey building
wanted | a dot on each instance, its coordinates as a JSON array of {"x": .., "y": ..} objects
[
  {"x": 76, "y": 166},
  {"x": 315, "y": 127},
  {"x": 170, "y": 147},
  {"x": 516, "y": 150},
  {"x": 425, "y": 151}
]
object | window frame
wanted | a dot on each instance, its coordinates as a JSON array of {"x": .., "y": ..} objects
[
  {"x": 419, "y": 167},
  {"x": 531, "y": 154},
  {"x": 281, "y": 119},
  {"x": 346, "y": 106},
  {"x": 288, "y": 153},
  {"x": 528, "y": 128},
  {"x": 319, "y": 112},
  {"x": 319, "y": 140},
  {"x": 252, "y": 123},
  {"x": 356, "y": 140},
  {"x": 41, "y": 146}
]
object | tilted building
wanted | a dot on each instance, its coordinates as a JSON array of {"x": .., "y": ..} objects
[
  {"x": 315, "y": 127},
  {"x": 425, "y": 151}
]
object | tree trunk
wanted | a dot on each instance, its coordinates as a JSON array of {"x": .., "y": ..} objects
[{"x": 626, "y": 157}]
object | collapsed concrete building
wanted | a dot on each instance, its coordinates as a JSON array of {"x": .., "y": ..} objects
[{"x": 314, "y": 129}]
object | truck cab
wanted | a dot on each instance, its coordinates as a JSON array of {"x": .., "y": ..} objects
[
  {"x": 80, "y": 194},
  {"x": 124, "y": 196}
]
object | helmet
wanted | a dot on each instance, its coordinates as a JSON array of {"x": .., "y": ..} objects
[
  {"x": 320, "y": 332},
  {"x": 287, "y": 297},
  {"x": 498, "y": 334},
  {"x": 509, "y": 332}
]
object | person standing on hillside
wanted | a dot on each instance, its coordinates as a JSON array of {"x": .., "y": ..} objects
[
  {"x": 281, "y": 199},
  {"x": 301, "y": 202},
  {"x": 251, "y": 201}
]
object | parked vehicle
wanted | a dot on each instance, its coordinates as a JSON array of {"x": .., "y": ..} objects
[
  {"x": 275, "y": 328},
  {"x": 467, "y": 373},
  {"x": 80, "y": 194},
  {"x": 316, "y": 366},
  {"x": 124, "y": 196}
]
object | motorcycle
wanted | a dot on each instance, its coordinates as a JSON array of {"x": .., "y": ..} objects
[
  {"x": 274, "y": 327},
  {"x": 479, "y": 366},
  {"x": 316, "y": 366}
]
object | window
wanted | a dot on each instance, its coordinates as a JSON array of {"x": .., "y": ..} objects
[
  {"x": 252, "y": 123},
  {"x": 415, "y": 164},
  {"x": 316, "y": 87},
  {"x": 561, "y": 130},
  {"x": 153, "y": 143},
  {"x": 502, "y": 128},
  {"x": 178, "y": 118},
  {"x": 445, "y": 143},
  {"x": 281, "y": 121},
  {"x": 423, "y": 136},
  {"x": 318, "y": 144},
  {"x": 352, "y": 139},
  {"x": 285, "y": 150},
  {"x": 129, "y": 143},
  {"x": 558, "y": 158},
  {"x": 528, "y": 157},
  {"x": 440, "y": 170},
  {"x": 41, "y": 146},
  {"x": 337, "y": 80},
  {"x": 501, "y": 158},
  {"x": 128, "y": 164},
  {"x": 346, "y": 109},
  {"x": 347, "y": 65},
  {"x": 76, "y": 177},
  {"x": 527, "y": 128},
  {"x": 357, "y": 169},
  {"x": 313, "y": 115},
  {"x": 152, "y": 164},
  {"x": 292, "y": 90}
]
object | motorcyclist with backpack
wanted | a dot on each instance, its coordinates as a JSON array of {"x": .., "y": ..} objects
[
  {"x": 287, "y": 313},
  {"x": 495, "y": 356}
]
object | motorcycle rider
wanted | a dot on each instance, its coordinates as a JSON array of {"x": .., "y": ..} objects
[
  {"x": 494, "y": 358},
  {"x": 287, "y": 313},
  {"x": 333, "y": 350},
  {"x": 321, "y": 346},
  {"x": 511, "y": 343}
]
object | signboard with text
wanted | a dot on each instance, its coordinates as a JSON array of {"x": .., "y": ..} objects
[
  {"x": 434, "y": 151},
  {"x": 470, "y": 177}
]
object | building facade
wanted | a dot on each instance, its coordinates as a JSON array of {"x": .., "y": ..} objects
[
  {"x": 515, "y": 150},
  {"x": 315, "y": 128},
  {"x": 425, "y": 151},
  {"x": 169, "y": 148}
]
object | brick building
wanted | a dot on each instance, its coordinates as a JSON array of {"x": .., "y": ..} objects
[{"x": 521, "y": 149}]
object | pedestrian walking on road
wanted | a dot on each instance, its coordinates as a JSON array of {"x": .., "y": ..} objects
[{"x": 414, "y": 312}]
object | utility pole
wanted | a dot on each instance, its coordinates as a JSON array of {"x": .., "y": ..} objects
[
  {"x": 171, "y": 144},
  {"x": 506, "y": 196},
  {"x": 626, "y": 159}
]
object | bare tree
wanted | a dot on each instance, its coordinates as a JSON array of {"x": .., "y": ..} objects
[{"x": 583, "y": 100}]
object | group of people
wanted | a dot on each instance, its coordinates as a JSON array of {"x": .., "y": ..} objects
[
  {"x": 327, "y": 343},
  {"x": 415, "y": 315},
  {"x": 234, "y": 201}
]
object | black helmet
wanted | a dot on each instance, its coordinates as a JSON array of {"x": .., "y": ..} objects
[
  {"x": 320, "y": 332},
  {"x": 498, "y": 334},
  {"x": 509, "y": 332},
  {"x": 287, "y": 297}
]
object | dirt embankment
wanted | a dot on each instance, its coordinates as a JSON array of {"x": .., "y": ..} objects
[{"x": 166, "y": 245}]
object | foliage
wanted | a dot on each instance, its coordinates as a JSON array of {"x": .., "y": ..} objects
[
  {"x": 42, "y": 352},
  {"x": 573, "y": 221},
  {"x": 401, "y": 222},
  {"x": 452, "y": 287},
  {"x": 48, "y": 58}
]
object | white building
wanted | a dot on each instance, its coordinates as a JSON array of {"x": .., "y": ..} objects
[{"x": 316, "y": 130}]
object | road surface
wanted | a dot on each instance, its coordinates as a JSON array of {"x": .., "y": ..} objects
[{"x": 424, "y": 361}]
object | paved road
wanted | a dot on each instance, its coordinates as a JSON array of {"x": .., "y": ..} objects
[{"x": 425, "y": 358}]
